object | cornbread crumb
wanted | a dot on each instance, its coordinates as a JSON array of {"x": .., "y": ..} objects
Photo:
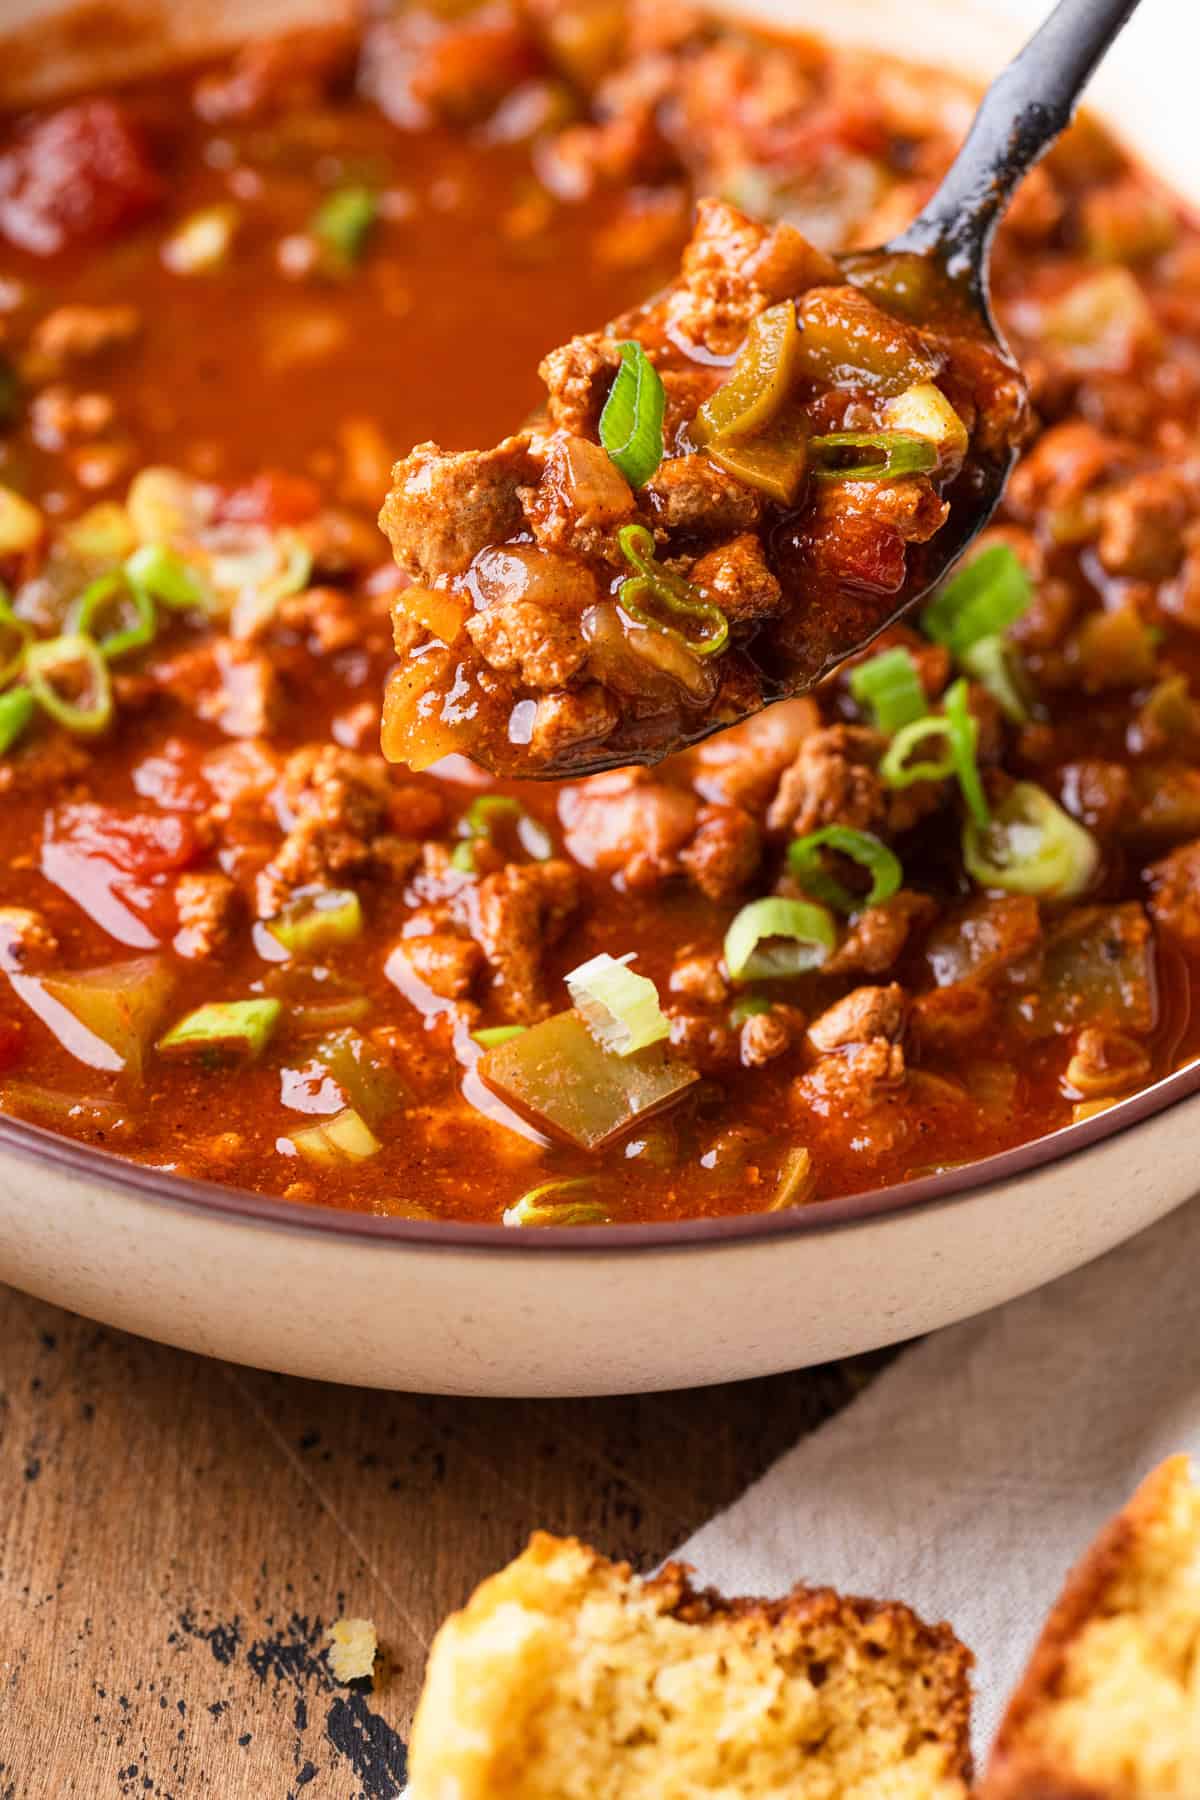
[
  {"x": 352, "y": 1647},
  {"x": 567, "y": 1678},
  {"x": 1109, "y": 1707}
]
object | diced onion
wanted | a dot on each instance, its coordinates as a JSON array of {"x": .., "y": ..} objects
[
  {"x": 891, "y": 686},
  {"x": 1031, "y": 846},
  {"x": 925, "y": 411},
  {"x": 984, "y": 598},
  {"x": 619, "y": 1007},
  {"x": 864, "y": 848},
  {"x": 778, "y": 938},
  {"x": 631, "y": 425},
  {"x": 550, "y": 1204}
]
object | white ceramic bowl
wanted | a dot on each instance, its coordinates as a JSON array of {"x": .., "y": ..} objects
[{"x": 462, "y": 1309}]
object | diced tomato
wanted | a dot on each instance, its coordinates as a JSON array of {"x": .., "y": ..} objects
[
  {"x": 79, "y": 176},
  {"x": 12, "y": 1041},
  {"x": 116, "y": 866},
  {"x": 272, "y": 498}
]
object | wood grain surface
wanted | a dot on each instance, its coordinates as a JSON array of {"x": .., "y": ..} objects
[{"x": 176, "y": 1536}]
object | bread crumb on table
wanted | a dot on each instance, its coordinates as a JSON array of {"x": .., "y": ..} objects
[{"x": 353, "y": 1644}]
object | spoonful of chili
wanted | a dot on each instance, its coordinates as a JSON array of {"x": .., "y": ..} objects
[{"x": 734, "y": 488}]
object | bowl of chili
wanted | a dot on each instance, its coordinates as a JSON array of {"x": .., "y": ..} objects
[{"x": 854, "y": 1021}]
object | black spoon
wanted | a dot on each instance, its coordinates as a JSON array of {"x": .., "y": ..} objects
[{"x": 941, "y": 262}]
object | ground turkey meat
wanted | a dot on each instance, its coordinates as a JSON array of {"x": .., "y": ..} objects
[
  {"x": 447, "y": 963},
  {"x": 949, "y": 1018},
  {"x": 733, "y": 268},
  {"x": 831, "y": 782},
  {"x": 208, "y": 904},
  {"x": 444, "y": 506},
  {"x": 578, "y": 376},
  {"x": 544, "y": 648},
  {"x": 878, "y": 935},
  {"x": 228, "y": 683},
  {"x": 867, "y": 1012},
  {"x": 851, "y": 1082},
  {"x": 690, "y": 493},
  {"x": 723, "y": 853},
  {"x": 736, "y": 578},
  {"x": 516, "y": 913},
  {"x": 1175, "y": 895}
]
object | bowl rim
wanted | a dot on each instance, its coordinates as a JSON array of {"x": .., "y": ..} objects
[{"x": 237, "y": 1205}]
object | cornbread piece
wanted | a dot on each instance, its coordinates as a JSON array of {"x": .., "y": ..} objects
[
  {"x": 352, "y": 1647},
  {"x": 1109, "y": 1708},
  {"x": 567, "y": 1678}
]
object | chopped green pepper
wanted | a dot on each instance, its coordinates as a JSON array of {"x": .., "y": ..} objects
[
  {"x": 759, "y": 381},
  {"x": 225, "y": 1031}
]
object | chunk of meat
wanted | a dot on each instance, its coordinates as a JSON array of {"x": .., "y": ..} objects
[
  {"x": 78, "y": 333},
  {"x": 446, "y": 506},
  {"x": 1175, "y": 895},
  {"x": 578, "y": 376},
  {"x": 543, "y": 648},
  {"x": 765, "y": 1037},
  {"x": 723, "y": 853},
  {"x": 832, "y": 781},
  {"x": 879, "y": 934},
  {"x": 1097, "y": 793},
  {"x": 709, "y": 1045},
  {"x": 1141, "y": 525},
  {"x": 851, "y": 1083},
  {"x": 80, "y": 175},
  {"x": 690, "y": 493},
  {"x": 293, "y": 72},
  {"x": 735, "y": 577},
  {"x": 517, "y": 912},
  {"x": 27, "y": 940},
  {"x": 331, "y": 804},
  {"x": 583, "y": 715},
  {"x": 420, "y": 66},
  {"x": 701, "y": 978},
  {"x": 448, "y": 964},
  {"x": 580, "y": 500},
  {"x": 628, "y": 825},
  {"x": 949, "y": 1018},
  {"x": 1063, "y": 465},
  {"x": 733, "y": 268},
  {"x": 742, "y": 766},
  {"x": 986, "y": 939},
  {"x": 866, "y": 1013},
  {"x": 208, "y": 904},
  {"x": 228, "y": 683}
]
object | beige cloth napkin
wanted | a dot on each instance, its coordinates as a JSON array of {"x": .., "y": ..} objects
[{"x": 971, "y": 1473}]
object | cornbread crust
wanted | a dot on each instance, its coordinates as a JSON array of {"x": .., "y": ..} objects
[
  {"x": 565, "y": 1677},
  {"x": 1029, "y": 1760}
]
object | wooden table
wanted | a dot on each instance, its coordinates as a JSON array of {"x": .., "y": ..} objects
[{"x": 177, "y": 1534}]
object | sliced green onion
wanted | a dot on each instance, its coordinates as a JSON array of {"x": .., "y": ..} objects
[
  {"x": 1031, "y": 846},
  {"x": 864, "y": 848},
  {"x": 895, "y": 768},
  {"x": 547, "y": 1204},
  {"x": 61, "y": 658},
  {"x": 225, "y": 1031},
  {"x": 619, "y": 1007},
  {"x": 491, "y": 1035},
  {"x": 748, "y": 1007},
  {"x": 777, "y": 938},
  {"x": 317, "y": 919},
  {"x": 759, "y": 382},
  {"x": 136, "y": 623},
  {"x": 342, "y": 224},
  {"x": 983, "y": 599},
  {"x": 891, "y": 686},
  {"x": 19, "y": 634},
  {"x": 167, "y": 577},
  {"x": 994, "y": 663},
  {"x": 668, "y": 590},
  {"x": 631, "y": 425},
  {"x": 797, "y": 1179},
  {"x": 964, "y": 737},
  {"x": 346, "y": 1138},
  {"x": 16, "y": 710},
  {"x": 887, "y": 454}
]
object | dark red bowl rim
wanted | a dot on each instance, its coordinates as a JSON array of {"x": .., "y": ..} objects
[{"x": 32, "y": 1142}]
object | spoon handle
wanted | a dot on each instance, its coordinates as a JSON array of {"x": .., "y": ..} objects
[{"x": 1023, "y": 111}]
